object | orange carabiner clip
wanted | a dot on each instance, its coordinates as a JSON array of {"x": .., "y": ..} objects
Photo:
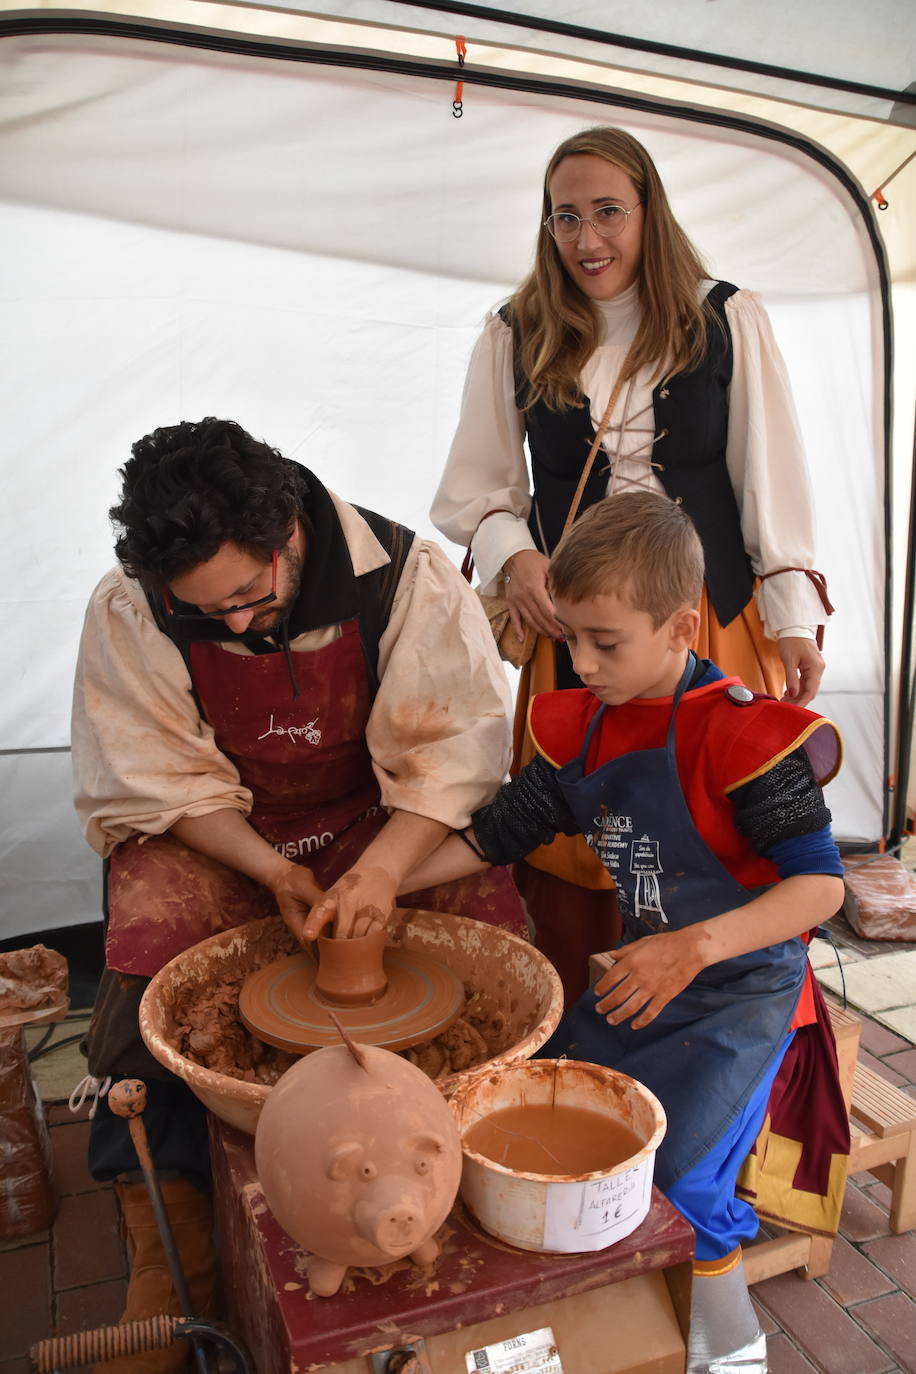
[{"x": 458, "y": 103}]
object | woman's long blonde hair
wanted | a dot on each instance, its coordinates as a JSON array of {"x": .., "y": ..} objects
[{"x": 558, "y": 328}]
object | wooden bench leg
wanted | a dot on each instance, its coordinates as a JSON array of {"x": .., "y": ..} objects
[
  {"x": 778, "y": 1255},
  {"x": 819, "y": 1257},
  {"x": 903, "y": 1193},
  {"x": 809, "y": 1256}
]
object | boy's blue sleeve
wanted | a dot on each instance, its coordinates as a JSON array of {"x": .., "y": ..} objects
[{"x": 812, "y": 853}]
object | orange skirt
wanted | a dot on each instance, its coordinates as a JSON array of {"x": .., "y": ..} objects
[{"x": 741, "y": 649}]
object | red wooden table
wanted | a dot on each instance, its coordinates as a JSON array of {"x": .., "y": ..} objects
[{"x": 622, "y": 1310}]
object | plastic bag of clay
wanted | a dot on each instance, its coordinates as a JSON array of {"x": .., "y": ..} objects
[
  {"x": 27, "y": 1202},
  {"x": 880, "y": 900},
  {"x": 33, "y": 985}
]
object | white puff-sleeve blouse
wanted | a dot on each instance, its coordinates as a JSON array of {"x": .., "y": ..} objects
[{"x": 487, "y": 466}]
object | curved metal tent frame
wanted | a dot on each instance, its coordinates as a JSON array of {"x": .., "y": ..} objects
[{"x": 865, "y": 157}]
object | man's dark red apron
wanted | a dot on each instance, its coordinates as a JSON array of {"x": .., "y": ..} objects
[{"x": 300, "y": 747}]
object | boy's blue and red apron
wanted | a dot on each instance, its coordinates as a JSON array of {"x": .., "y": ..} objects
[
  {"x": 303, "y": 755},
  {"x": 712, "y": 1054}
]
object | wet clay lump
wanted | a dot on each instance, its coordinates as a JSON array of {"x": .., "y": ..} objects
[
  {"x": 351, "y": 973},
  {"x": 546, "y": 1139}
]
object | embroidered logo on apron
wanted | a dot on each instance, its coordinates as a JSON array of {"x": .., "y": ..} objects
[{"x": 310, "y": 732}]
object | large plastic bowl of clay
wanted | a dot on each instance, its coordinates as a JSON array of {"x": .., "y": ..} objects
[{"x": 189, "y": 1012}]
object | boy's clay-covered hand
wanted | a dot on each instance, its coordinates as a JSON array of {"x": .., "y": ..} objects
[
  {"x": 363, "y": 897},
  {"x": 647, "y": 974}
]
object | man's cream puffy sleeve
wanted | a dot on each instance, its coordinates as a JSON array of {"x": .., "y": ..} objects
[
  {"x": 142, "y": 756},
  {"x": 439, "y": 733}
]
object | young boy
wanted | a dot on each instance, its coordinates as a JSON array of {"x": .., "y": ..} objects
[{"x": 704, "y": 802}]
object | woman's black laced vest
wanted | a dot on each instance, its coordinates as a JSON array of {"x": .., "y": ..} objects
[{"x": 691, "y": 423}]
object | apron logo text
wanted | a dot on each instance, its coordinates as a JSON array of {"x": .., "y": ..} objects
[
  {"x": 306, "y": 844},
  {"x": 310, "y": 733}
]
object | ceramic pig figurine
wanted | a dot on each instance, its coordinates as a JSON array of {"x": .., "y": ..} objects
[{"x": 360, "y": 1163}]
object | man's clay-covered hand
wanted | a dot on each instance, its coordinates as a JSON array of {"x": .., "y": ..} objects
[
  {"x": 362, "y": 898},
  {"x": 296, "y": 893}
]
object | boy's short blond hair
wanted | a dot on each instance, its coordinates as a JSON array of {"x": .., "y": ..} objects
[{"x": 639, "y": 545}]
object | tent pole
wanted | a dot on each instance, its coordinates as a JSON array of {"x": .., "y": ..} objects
[{"x": 906, "y": 708}]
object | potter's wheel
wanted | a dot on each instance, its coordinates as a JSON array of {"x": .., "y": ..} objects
[{"x": 281, "y": 1005}]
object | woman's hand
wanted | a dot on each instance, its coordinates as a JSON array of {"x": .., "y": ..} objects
[
  {"x": 295, "y": 892},
  {"x": 804, "y": 668},
  {"x": 648, "y": 974},
  {"x": 526, "y": 592},
  {"x": 362, "y": 898}
]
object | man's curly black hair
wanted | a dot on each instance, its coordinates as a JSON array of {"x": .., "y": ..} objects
[{"x": 188, "y": 489}]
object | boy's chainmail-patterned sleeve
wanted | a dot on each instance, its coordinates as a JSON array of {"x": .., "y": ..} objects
[
  {"x": 530, "y": 810},
  {"x": 782, "y": 803},
  {"x": 526, "y": 812}
]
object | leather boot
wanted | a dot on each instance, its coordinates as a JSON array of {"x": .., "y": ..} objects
[{"x": 150, "y": 1292}]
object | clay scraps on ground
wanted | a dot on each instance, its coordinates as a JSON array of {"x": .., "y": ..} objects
[{"x": 209, "y": 1033}]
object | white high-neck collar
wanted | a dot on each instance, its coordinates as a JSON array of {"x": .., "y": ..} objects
[
  {"x": 620, "y": 316},
  {"x": 622, "y": 304}
]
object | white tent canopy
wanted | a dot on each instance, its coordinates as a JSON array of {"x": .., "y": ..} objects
[{"x": 275, "y": 217}]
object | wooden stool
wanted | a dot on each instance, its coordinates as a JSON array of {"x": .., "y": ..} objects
[
  {"x": 882, "y": 1130},
  {"x": 811, "y": 1255},
  {"x": 884, "y": 1141},
  {"x": 882, "y": 1123}
]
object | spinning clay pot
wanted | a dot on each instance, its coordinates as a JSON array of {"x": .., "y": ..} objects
[{"x": 359, "y": 1162}]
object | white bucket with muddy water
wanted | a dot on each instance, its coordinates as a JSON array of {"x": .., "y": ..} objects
[{"x": 565, "y": 1210}]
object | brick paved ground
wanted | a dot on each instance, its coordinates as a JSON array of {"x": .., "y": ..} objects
[{"x": 74, "y": 1277}]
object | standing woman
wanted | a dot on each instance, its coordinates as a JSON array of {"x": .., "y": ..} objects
[{"x": 619, "y": 308}]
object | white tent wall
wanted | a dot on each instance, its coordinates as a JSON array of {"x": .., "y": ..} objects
[{"x": 310, "y": 250}]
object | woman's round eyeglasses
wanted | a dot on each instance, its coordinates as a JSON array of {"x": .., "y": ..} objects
[{"x": 607, "y": 221}]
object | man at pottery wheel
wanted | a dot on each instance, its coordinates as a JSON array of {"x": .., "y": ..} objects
[{"x": 278, "y": 694}]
